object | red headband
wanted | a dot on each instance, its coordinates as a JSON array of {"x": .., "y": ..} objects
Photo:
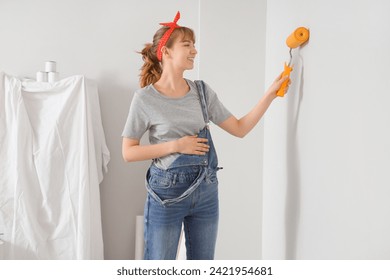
[{"x": 172, "y": 26}]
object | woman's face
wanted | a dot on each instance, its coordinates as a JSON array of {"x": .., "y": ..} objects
[{"x": 182, "y": 53}]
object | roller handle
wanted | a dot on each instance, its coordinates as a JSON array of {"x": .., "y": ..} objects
[{"x": 286, "y": 72}]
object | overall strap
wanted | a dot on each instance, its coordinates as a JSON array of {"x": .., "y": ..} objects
[{"x": 203, "y": 99}]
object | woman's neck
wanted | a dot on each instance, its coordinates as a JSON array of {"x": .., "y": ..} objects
[{"x": 174, "y": 86}]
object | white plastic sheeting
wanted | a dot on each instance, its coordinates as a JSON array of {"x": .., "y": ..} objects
[{"x": 53, "y": 153}]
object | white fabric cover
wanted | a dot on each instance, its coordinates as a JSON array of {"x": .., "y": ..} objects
[{"x": 52, "y": 152}]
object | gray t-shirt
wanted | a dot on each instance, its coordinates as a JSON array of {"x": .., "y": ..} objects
[{"x": 169, "y": 119}]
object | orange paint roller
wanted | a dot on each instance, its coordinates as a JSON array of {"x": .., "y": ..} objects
[{"x": 297, "y": 38}]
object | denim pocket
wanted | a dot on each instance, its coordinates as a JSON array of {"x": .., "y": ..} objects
[
  {"x": 212, "y": 178},
  {"x": 159, "y": 182}
]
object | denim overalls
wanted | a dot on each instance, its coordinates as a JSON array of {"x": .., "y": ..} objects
[{"x": 186, "y": 192}]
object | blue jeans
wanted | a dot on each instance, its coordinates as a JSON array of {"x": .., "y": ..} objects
[
  {"x": 198, "y": 211},
  {"x": 187, "y": 192}
]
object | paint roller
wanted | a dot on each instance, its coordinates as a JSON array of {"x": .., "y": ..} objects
[{"x": 297, "y": 38}]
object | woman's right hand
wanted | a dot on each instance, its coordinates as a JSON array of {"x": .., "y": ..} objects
[
  {"x": 192, "y": 145},
  {"x": 275, "y": 86}
]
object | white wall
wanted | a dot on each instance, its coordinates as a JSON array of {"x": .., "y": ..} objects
[
  {"x": 326, "y": 153},
  {"x": 232, "y": 61},
  {"x": 99, "y": 39}
]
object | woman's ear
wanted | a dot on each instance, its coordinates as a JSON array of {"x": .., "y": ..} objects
[{"x": 165, "y": 51}]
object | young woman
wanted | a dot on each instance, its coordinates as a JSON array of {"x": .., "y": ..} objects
[{"x": 181, "y": 182}]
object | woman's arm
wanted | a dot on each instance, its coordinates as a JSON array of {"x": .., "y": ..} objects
[
  {"x": 133, "y": 151},
  {"x": 243, "y": 126}
]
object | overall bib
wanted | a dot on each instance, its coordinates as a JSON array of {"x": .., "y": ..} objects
[{"x": 185, "y": 192}]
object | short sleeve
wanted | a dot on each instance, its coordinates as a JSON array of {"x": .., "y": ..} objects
[
  {"x": 137, "y": 121},
  {"x": 217, "y": 111}
]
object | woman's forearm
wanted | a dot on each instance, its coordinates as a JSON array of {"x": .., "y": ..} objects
[
  {"x": 192, "y": 145},
  {"x": 147, "y": 152},
  {"x": 241, "y": 127},
  {"x": 249, "y": 121}
]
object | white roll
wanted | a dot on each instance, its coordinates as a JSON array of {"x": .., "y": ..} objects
[
  {"x": 139, "y": 238},
  {"x": 181, "y": 253},
  {"x": 42, "y": 76},
  {"x": 2, "y": 232},
  {"x": 53, "y": 77},
  {"x": 50, "y": 66}
]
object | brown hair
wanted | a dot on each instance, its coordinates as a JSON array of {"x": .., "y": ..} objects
[{"x": 151, "y": 70}]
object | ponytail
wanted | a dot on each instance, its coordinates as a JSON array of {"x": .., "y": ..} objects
[{"x": 151, "y": 70}]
